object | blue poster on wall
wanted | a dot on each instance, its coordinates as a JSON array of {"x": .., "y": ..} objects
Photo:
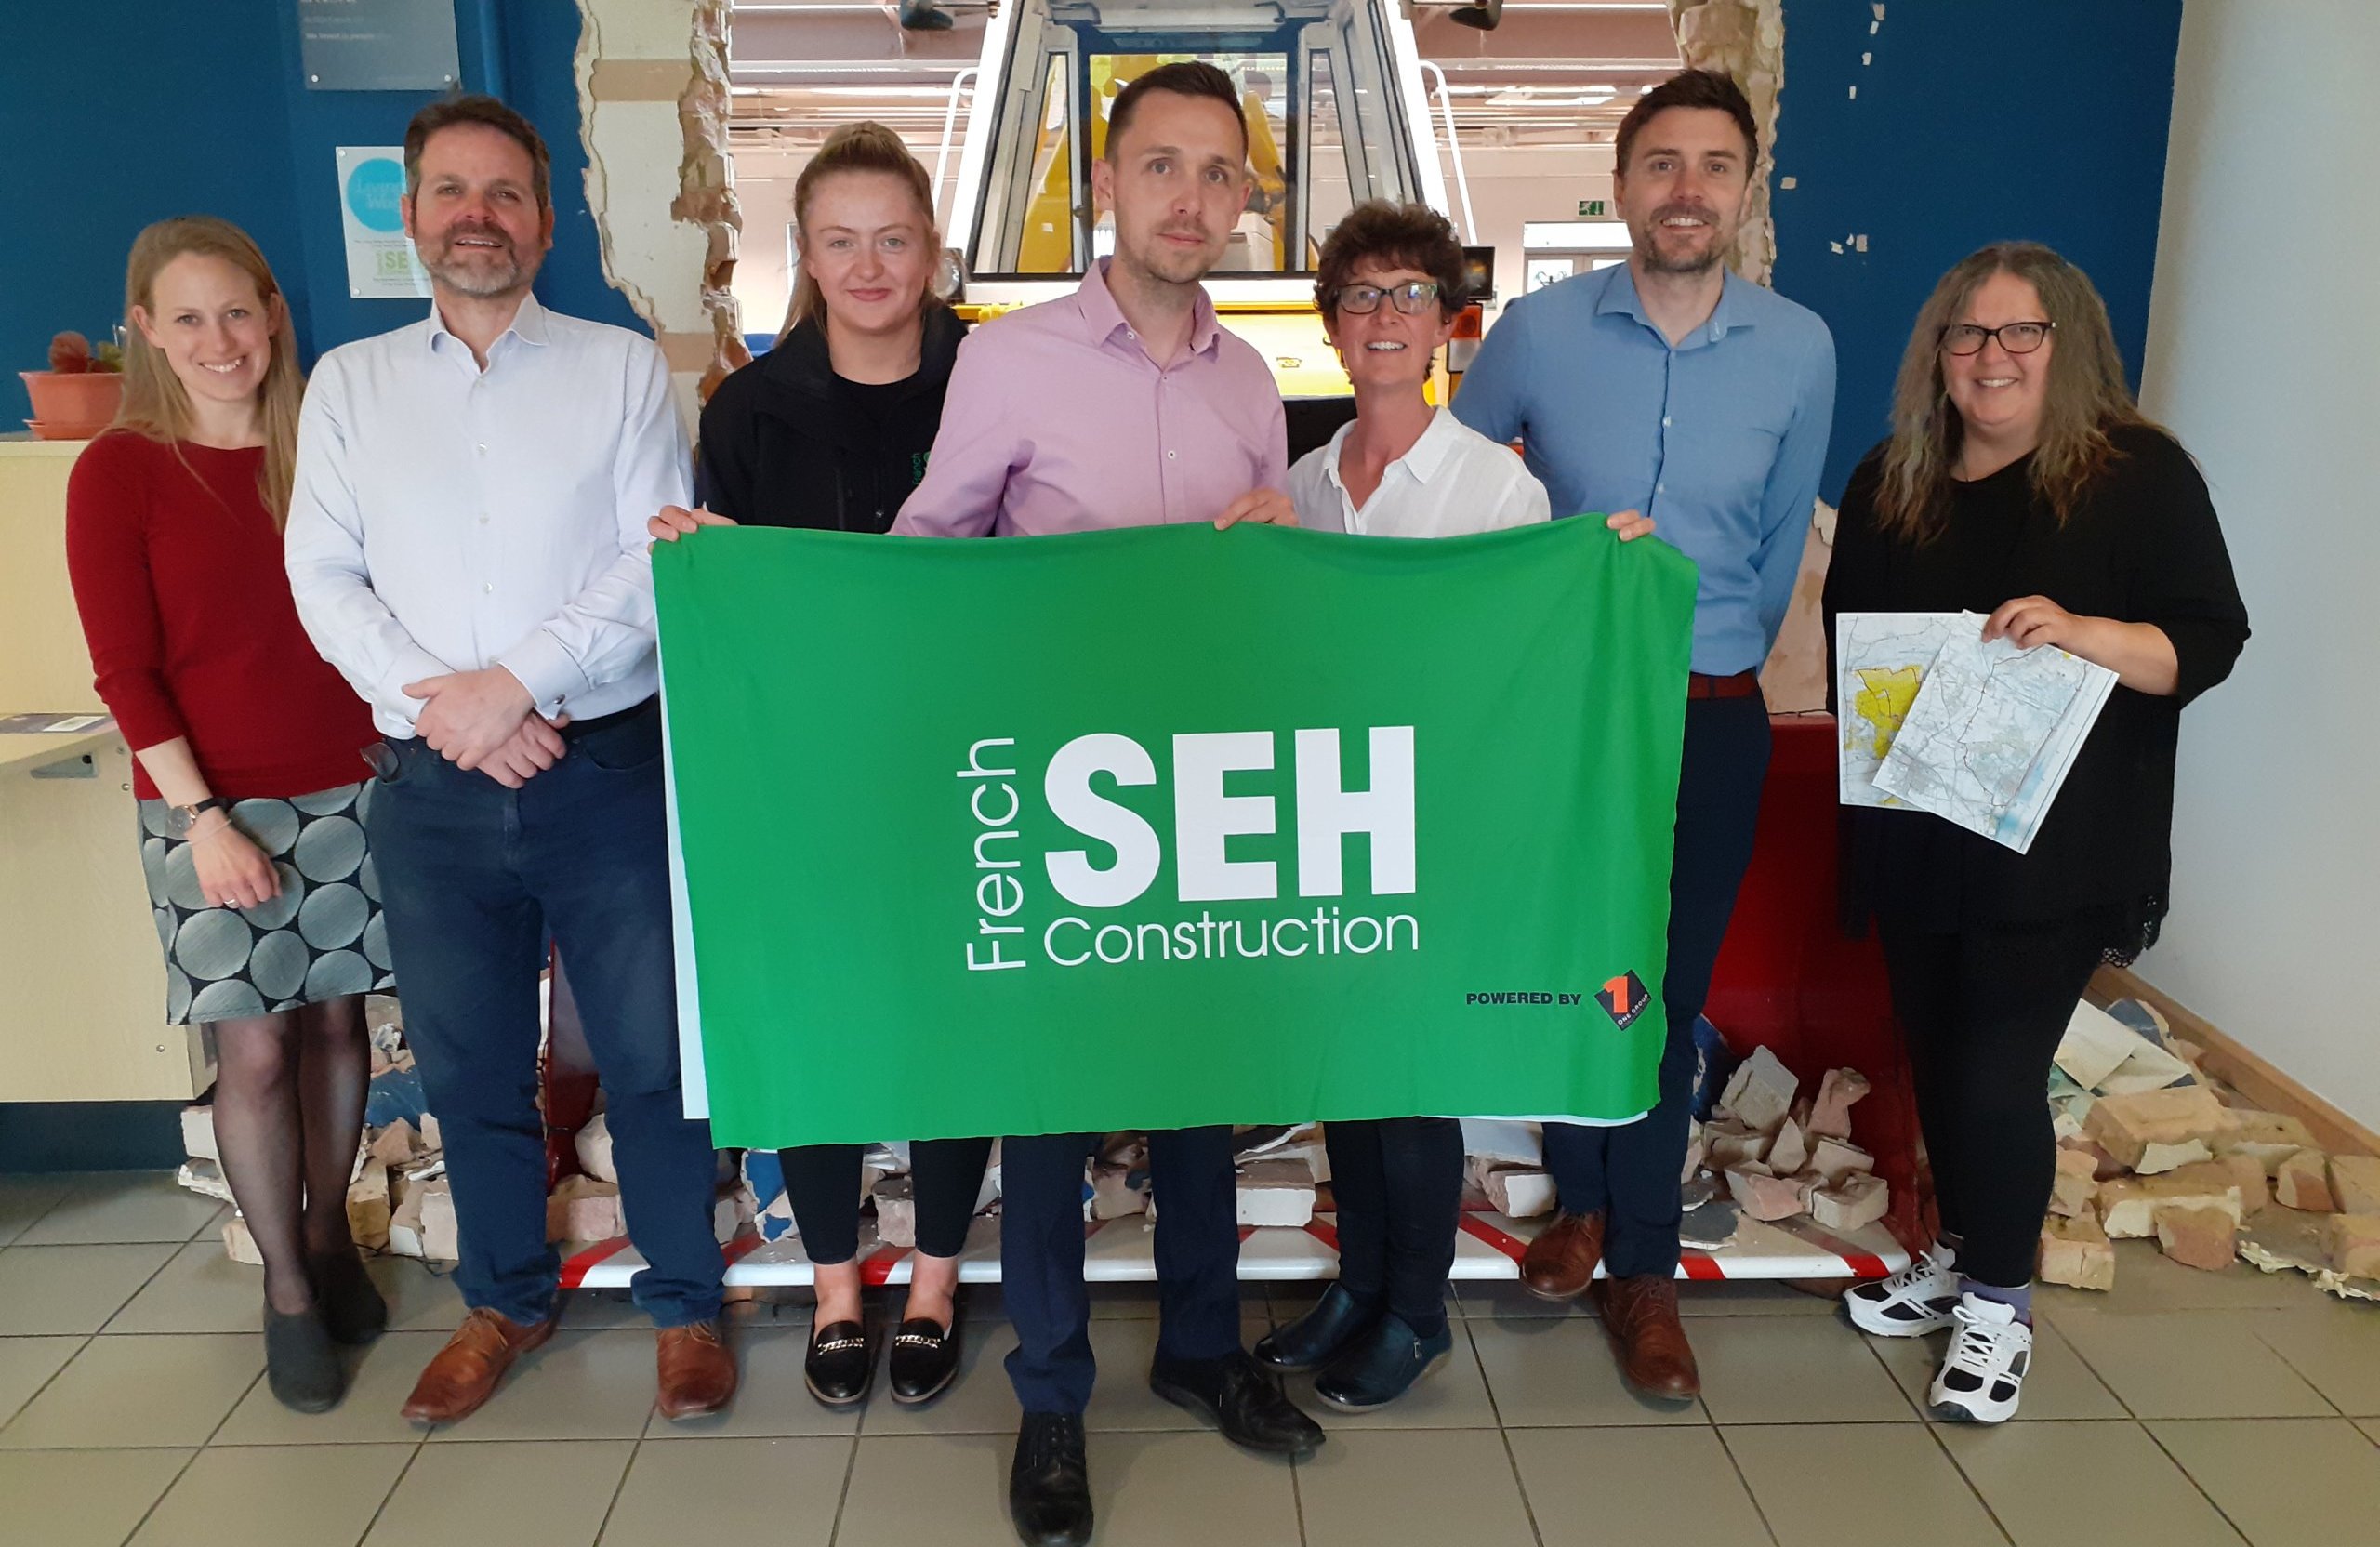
[{"x": 380, "y": 256}]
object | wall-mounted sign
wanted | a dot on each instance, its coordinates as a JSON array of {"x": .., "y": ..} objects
[
  {"x": 377, "y": 45},
  {"x": 1592, "y": 209},
  {"x": 380, "y": 260}
]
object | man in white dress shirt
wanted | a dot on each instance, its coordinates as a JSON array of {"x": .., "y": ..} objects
[{"x": 466, "y": 544}]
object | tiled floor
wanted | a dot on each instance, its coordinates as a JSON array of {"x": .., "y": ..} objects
[{"x": 2186, "y": 1408}]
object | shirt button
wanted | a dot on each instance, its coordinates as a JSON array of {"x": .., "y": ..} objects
[
  {"x": 1665, "y": 424},
  {"x": 482, "y": 520},
  {"x": 1660, "y": 488},
  {"x": 483, "y": 449},
  {"x": 1168, "y": 457},
  {"x": 489, "y": 588}
]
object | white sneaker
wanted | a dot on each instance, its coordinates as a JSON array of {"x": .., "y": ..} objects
[
  {"x": 1985, "y": 1369},
  {"x": 1911, "y": 1302}
]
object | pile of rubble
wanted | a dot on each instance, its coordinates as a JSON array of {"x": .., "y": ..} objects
[
  {"x": 1766, "y": 1151},
  {"x": 2150, "y": 1149}
]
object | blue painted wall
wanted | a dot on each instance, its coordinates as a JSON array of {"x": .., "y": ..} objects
[
  {"x": 112, "y": 120},
  {"x": 1974, "y": 122}
]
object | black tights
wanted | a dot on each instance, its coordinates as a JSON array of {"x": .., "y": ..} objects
[
  {"x": 822, "y": 1183},
  {"x": 1983, "y": 1011},
  {"x": 289, "y": 1092}
]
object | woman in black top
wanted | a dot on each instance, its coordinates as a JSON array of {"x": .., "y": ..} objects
[
  {"x": 831, "y": 428},
  {"x": 2022, "y": 481}
]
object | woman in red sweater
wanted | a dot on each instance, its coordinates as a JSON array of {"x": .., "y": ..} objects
[{"x": 250, "y": 775}]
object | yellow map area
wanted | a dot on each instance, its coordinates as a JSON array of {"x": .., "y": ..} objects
[{"x": 1885, "y": 693}]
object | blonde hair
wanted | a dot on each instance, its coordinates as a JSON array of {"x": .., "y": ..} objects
[
  {"x": 865, "y": 146},
  {"x": 2083, "y": 399},
  {"x": 155, "y": 404}
]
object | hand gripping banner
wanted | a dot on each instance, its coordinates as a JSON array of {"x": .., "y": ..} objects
[{"x": 1163, "y": 826}]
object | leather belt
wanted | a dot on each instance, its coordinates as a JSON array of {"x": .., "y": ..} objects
[{"x": 1743, "y": 684}]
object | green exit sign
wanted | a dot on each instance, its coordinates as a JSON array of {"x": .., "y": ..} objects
[{"x": 1592, "y": 209}]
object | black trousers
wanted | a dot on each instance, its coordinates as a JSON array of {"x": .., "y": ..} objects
[
  {"x": 1398, "y": 1184},
  {"x": 822, "y": 1183},
  {"x": 1631, "y": 1172},
  {"x": 1982, "y": 1010}
]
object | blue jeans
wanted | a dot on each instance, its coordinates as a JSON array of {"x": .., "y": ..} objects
[
  {"x": 472, "y": 877},
  {"x": 1042, "y": 1258},
  {"x": 1631, "y": 1172}
]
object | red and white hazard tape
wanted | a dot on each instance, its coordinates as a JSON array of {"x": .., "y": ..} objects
[{"x": 1487, "y": 1246}]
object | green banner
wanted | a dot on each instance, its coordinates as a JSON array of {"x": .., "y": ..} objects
[{"x": 1162, "y": 826}]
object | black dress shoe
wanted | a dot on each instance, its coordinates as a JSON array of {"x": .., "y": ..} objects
[
  {"x": 1315, "y": 1338},
  {"x": 840, "y": 1364},
  {"x": 301, "y": 1363},
  {"x": 350, "y": 1304},
  {"x": 1049, "y": 1483},
  {"x": 1236, "y": 1396},
  {"x": 1377, "y": 1368},
  {"x": 925, "y": 1359}
]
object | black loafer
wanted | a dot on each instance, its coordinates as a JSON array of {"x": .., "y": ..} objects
[
  {"x": 1049, "y": 1483},
  {"x": 840, "y": 1365},
  {"x": 925, "y": 1359},
  {"x": 351, "y": 1308},
  {"x": 301, "y": 1363},
  {"x": 1381, "y": 1366},
  {"x": 1315, "y": 1338},
  {"x": 1237, "y": 1396}
]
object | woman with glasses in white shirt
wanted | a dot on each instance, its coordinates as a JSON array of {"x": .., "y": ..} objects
[{"x": 1389, "y": 286}]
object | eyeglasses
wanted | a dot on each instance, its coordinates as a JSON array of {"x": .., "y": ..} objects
[
  {"x": 1412, "y": 298},
  {"x": 2015, "y": 338}
]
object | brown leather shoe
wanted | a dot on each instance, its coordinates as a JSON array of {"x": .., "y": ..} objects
[
  {"x": 1640, "y": 1314},
  {"x": 464, "y": 1374},
  {"x": 1561, "y": 1261},
  {"x": 697, "y": 1372}
]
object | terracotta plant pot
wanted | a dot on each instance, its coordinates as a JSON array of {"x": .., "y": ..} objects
[{"x": 72, "y": 406}]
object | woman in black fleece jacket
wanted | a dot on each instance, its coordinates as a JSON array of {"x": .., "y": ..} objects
[{"x": 832, "y": 429}]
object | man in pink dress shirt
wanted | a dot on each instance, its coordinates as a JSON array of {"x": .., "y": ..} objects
[{"x": 1123, "y": 404}]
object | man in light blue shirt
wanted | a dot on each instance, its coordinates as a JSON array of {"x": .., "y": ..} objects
[{"x": 1670, "y": 386}]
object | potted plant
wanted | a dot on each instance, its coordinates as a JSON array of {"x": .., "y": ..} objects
[{"x": 76, "y": 397}]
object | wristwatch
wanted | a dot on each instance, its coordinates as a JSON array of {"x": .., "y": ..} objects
[{"x": 183, "y": 818}]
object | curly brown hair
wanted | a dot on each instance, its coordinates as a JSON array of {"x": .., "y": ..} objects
[{"x": 1404, "y": 237}]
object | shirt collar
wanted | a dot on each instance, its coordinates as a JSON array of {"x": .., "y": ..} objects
[
  {"x": 1422, "y": 458},
  {"x": 1105, "y": 317},
  {"x": 1620, "y": 294},
  {"x": 529, "y": 324}
]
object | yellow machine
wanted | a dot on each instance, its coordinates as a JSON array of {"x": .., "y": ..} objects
[{"x": 1336, "y": 114}]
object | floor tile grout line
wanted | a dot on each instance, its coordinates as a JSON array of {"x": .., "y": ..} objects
[
  {"x": 1743, "y": 1482},
  {"x": 399, "y": 1481},
  {"x": 844, "y": 1494},
  {"x": 1934, "y": 1432},
  {"x": 2288, "y": 1363},
  {"x": 2212, "y": 1503},
  {"x": 636, "y": 1449},
  {"x": 34, "y": 1396}
]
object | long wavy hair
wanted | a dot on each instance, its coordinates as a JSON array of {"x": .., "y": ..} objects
[
  {"x": 2083, "y": 399},
  {"x": 155, "y": 404},
  {"x": 865, "y": 146}
]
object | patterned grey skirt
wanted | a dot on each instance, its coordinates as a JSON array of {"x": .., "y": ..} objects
[{"x": 321, "y": 939}]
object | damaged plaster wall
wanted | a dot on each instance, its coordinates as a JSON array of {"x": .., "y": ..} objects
[
  {"x": 1746, "y": 39},
  {"x": 653, "y": 105}
]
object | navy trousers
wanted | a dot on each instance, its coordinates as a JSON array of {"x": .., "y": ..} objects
[
  {"x": 1042, "y": 1258},
  {"x": 472, "y": 877},
  {"x": 1631, "y": 1172}
]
